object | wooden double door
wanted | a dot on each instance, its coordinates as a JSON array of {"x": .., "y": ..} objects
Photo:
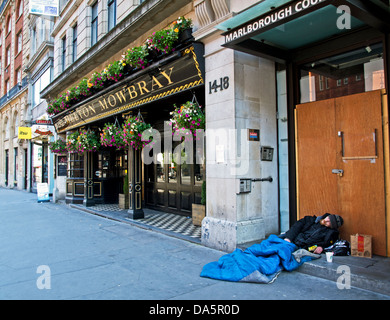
[
  {"x": 174, "y": 181},
  {"x": 340, "y": 163}
]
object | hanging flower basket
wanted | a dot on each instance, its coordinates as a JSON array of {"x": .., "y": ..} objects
[
  {"x": 113, "y": 136},
  {"x": 163, "y": 41},
  {"x": 183, "y": 27},
  {"x": 137, "y": 57},
  {"x": 132, "y": 131},
  {"x": 188, "y": 116},
  {"x": 58, "y": 146},
  {"x": 82, "y": 141},
  {"x": 185, "y": 35}
]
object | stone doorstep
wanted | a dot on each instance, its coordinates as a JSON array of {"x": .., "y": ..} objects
[{"x": 371, "y": 274}]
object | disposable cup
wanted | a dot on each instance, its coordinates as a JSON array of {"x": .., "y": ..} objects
[{"x": 329, "y": 256}]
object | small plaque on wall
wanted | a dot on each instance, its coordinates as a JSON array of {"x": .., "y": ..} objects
[
  {"x": 62, "y": 163},
  {"x": 253, "y": 135}
]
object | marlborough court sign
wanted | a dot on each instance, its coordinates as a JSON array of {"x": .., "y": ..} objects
[
  {"x": 180, "y": 75},
  {"x": 283, "y": 14}
]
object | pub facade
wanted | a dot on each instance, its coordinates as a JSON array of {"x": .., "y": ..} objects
[
  {"x": 148, "y": 90},
  {"x": 282, "y": 85}
]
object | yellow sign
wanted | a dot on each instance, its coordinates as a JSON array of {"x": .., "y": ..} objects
[{"x": 24, "y": 133}]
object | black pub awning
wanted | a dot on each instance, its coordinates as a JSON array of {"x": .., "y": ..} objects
[{"x": 176, "y": 73}]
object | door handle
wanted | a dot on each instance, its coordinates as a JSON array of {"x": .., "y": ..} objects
[
  {"x": 341, "y": 135},
  {"x": 339, "y": 172}
]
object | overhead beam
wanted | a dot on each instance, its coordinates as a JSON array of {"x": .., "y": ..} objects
[{"x": 259, "y": 49}]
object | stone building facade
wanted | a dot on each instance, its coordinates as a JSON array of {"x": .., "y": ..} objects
[{"x": 14, "y": 110}]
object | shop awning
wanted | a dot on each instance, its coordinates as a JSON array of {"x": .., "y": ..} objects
[
  {"x": 275, "y": 27},
  {"x": 41, "y": 132}
]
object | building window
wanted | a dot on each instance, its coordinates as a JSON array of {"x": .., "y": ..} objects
[
  {"x": 33, "y": 40},
  {"x": 94, "y": 24},
  {"x": 74, "y": 46},
  {"x": 8, "y": 57},
  {"x": 20, "y": 9},
  {"x": 111, "y": 14},
  {"x": 63, "y": 56},
  {"x": 15, "y": 166},
  {"x": 9, "y": 25},
  {"x": 360, "y": 63},
  {"x": 16, "y": 127},
  {"x": 6, "y": 129},
  {"x": 18, "y": 75},
  {"x": 41, "y": 83},
  {"x": 75, "y": 165},
  {"x": 7, "y": 88},
  {"x": 321, "y": 80},
  {"x": 19, "y": 43}
]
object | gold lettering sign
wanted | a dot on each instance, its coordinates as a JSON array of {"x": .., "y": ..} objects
[{"x": 182, "y": 74}]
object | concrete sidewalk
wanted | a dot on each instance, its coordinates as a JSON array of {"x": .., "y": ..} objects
[{"x": 371, "y": 274}]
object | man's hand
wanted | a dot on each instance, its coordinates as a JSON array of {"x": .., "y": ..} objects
[
  {"x": 318, "y": 250},
  {"x": 287, "y": 239}
]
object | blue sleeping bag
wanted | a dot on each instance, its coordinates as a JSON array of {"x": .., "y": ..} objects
[{"x": 260, "y": 263}]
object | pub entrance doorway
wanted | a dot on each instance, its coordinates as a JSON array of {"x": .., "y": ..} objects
[{"x": 174, "y": 180}]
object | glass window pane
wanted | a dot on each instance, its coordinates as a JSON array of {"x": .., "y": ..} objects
[
  {"x": 45, "y": 79},
  {"x": 94, "y": 32},
  {"x": 352, "y": 72},
  {"x": 173, "y": 163},
  {"x": 111, "y": 14},
  {"x": 199, "y": 172},
  {"x": 185, "y": 168},
  {"x": 160, "y": 167}
]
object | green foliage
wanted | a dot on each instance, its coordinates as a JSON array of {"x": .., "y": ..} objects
[
  {"x": 83, "y": 140},
  {"x": 137, "y": 57},
  {"x": 58, "y": 146},
  {"x": 203, "y": 194},
  {"x": 126, "y": 184},
  {"x": 163, "y": 40}
]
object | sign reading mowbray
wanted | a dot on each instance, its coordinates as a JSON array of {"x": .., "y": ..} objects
[
  {"x": 264, "y": 21},
  {"x": 183, "y": 73}
]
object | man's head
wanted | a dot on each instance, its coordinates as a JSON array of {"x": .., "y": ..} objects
[{"x": 333, "y": 221}]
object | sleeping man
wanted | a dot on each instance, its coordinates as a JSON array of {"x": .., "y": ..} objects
[{"x": 314, "y": 231}]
